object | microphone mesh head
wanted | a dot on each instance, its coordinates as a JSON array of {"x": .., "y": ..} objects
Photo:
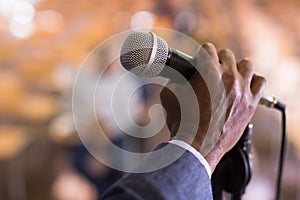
[{"x": 136, "y": 54}]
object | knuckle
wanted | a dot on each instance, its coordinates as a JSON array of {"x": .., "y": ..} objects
[
  {"x": 208, "y": 45},
  {"x": 246, "y": 62},
  {"x": 226, "y": 51},
  {"x": 227, "y": 56},
  {"x": 222, "y": 51}
]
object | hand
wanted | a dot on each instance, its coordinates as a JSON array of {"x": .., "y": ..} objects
[{"x": 242, "y": 92}]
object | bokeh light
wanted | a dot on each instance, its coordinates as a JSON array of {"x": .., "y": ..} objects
[
  {"x": 22, "y": 12},
  {"x": 21, "y": 30},
  {"x": 142, "y": 19},
  {"x": 49, "y": 21}
]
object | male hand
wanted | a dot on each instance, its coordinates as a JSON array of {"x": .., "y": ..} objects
[{"x": 242, "y": 90}]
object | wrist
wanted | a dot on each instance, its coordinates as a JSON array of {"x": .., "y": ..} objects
[
  {"x": 214, "y": 157},
  {"x": 189, "y": 136}
]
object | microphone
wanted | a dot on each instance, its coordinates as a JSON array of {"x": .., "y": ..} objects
[{"x": 147, "y": 55}]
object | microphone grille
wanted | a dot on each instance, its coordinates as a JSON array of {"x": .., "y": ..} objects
[{"x": 144, "y": 54}]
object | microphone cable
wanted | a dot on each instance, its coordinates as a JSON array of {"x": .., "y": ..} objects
[
  {"x": 274, "y": 103},
  {"x": 281, "y": 108}
]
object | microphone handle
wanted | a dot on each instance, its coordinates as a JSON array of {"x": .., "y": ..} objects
[
  {"x": 180, "y": 62},
  {"x": 184, "y": 65}
]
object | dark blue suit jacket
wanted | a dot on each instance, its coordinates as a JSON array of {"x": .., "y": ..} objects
[{"x": 186, "y": 178}]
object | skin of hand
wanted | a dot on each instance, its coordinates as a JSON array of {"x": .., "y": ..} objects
[{"x": 243, "y": 91}]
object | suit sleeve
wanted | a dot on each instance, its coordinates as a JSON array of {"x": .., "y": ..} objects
[{"x": 185, "y": 178}]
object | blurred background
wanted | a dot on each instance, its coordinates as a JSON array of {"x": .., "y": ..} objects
[{"x": 43, "y": 43}]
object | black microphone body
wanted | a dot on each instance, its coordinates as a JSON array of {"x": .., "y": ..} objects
[{"x": 179, "y": 61}]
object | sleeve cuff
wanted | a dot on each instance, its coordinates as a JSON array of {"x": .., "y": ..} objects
[{"x": 196, "y": 153}]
